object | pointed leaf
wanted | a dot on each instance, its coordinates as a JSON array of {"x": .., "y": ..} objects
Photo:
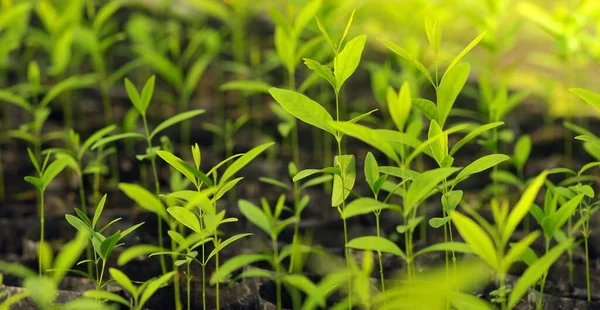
[
  {"x": 303, "y": 108},
  {"x": 174, "y": 120},
  {"x": 347, "y": 60},
  {"x": 374, "y": 243},
  {"x": 476, "y": 238},
  {"x": 144, "y": 199},
  {"x": 185, "y": 217}
]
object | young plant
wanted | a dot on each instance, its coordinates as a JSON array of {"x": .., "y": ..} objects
[
  {"x": 345, "y": 61},
  {"x": 209, "y": 218},
  {"x": 300, "y": 203},
  {"x": 46, "y": 173},
  {"x": 43, "y": 289},
  {"x": 489, "y": 242},
  {"x": 140, "y": 103},
  {"x": 32, "y": 132},
  {"x": 139, "y": 294},
  {"x": 103, "y": 246},
  {"x": 268, "y": 220}
]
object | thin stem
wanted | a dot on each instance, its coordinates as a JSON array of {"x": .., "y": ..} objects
[
  {"x": 42, "y": 220},
  {"x": 379, "y": 254},
  {"x": 217, "y": 271},
  {"x": 176, "y": 284},
  {"x": 163, "y": 265},
  {"x": 2, "y": 193},
  {"x": 102, "y": 273},
  {"x": 587, "y": 269},
  {"x": 189, "y": 284},
  {"x": 296, "y": 230},
  {"x": 88, "y": 250},
  {"x": 539, "y": 303},
  {"x": 277, "y": 272}
]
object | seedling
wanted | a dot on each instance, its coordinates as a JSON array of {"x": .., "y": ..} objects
[
  {"x": 103, "y": 246},
  {"x": 46, "y": 173},
  {"x": 140, "y": 294},
  {"x": 43, "y": 289}
]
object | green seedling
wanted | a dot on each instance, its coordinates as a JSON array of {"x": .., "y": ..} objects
[
  {"x": 183, "y": 73},
  {"x": 43, "y": 290},
  {"x": 140, "y": 103},
  {"x": 345, "y": 61},
  {"x": 140, "y": 294},
  {"x": 46, "y": 173},
  {"x": 268, "y": 220},
  {"x": 74, "y": 157},
  {"x": 489, "y": 242},
  {"x": 206, "y": 198},
  {"x": 31, "y": 132},
  {"x": 103, "y": 246},
  {"x": 300, "y": 203}
]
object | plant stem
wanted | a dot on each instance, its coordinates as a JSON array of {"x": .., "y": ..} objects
[
  {"x": 296, "y": 229},
  {"x": 176, "y": 284},
  {"x": 189, "y": 284},
  {"x": 587, "y": 269},
  {"x": 379, "y": 255},
  {"x": 88, "y": 249},
  {"x": 2, "y": 193},
  {"x": 277, "y": 272},
  {"x": 101, "y": 274},
  {"x": 42, "y": 220},
  {"x": 217, "y": 271},
  {"x": 539, "y": 303}
]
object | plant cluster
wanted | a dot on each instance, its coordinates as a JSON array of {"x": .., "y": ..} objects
[{"x": 417, "y": 139}]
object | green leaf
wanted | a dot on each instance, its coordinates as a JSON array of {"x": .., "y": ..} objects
[
  {"x": 144, "y": 199},
  {"x": 185, "y": 217},
  {"x": 227, "y": 242},
  {"x": 342, "y": 188},
  {"x": 364, "y": 206},
  {"x": 303, "y": 108},
  {"x": 52, "y": 171},
  {"x": 426, "y": 107},
  {"x": 136, "y": 251},
  {"x": 161, "y": 64},
  {"x": 274, "y": 182},
  {"x": 408, "y": 56},
  {"x": 177, "y": 163},
  {"x": 42, "y": 290},
  {"x": 522, "y": 151},
  {"x": 255, "y": 215},
  {"x": 235, "y": 263},
  {"x": 105, "y": 13},
  {"x": 153, "y": 286},
  {"x": 71, "y": 83},
  {"x": 134, "y": 96},
  {"x": 371, "y": 170},
  {"x": 243, "y": 160},
  {"x": 517, "y": 250},
  {"x": 453, "y": 82},
  {"x": 423, "y": 185},
  {"x": 439, "y": 146},
  {"x": 463, "y": 53},
  {"x": 434, "y": 34},
  {"x": 479, "y": 165},
  {"x": 347, "y": 60},
  {"x": 96, "y": 294},
  {"x": 535, "y": 272},
  {"x": 300, "y": 282},
  {"x": 69, "y": 254},
  {"x": 553, "y": 222},
  {"x": 326, "y": 35},
  {"x": 93, "y": 138},
  {"x": 250, "y": 86},
  {"x": 16, "y": 100},
  {"x": 108, "y": 245},
  {"x": 476, "y": 238},
  {"x": 37, "y": 182},
  {"x": 451, "y": 199},
  {"x": 98, "y": 211},
  {"x": 374, "y": 243},
  {"x": 588, "y": 96},
  {"x": 437, "y": 222},
  {"x": 123, "y": 281},
  {"x": 369, "y": 136},
  {"x": 197, "y": 173},
  {"x": 322, "y": 70},
  {"x": 458, "y": 247},
  {"x": 399, "y": 106},
  {"x": 174, "y": 120},
  {"x": 121, "y": 136},
  {"x": 522, "y": 207},
  {"x": 472, "y": 135}
]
